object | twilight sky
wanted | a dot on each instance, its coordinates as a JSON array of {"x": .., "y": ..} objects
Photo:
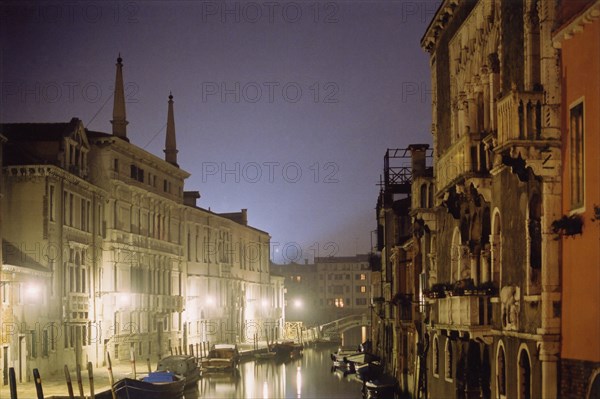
[{"x": 283, "y": 108}]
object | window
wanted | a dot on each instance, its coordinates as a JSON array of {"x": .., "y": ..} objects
[
  {"x": 5, "y": 293},
  {"x": 363, "y": 289},
  {"x": 71, "y": 210},
  {"x": 501, "y": 370},
  {"x": 436, "y": 357},
  {"x": 577, "y": 156},
  {"x": 52, "y": 204},
  {"x": 65, "y": 206},
  {"x": 449, "y": 359},
  {"x": 361, "y": 301},
  {"x": 137, "y": 173},
  {"x": 52, "y": 337},
  {"x": 33, "y": 344},
  {"x": 423, "y": 195},
  {"x": 524, "y": 375},
  {"x": 116, "y": 165}
]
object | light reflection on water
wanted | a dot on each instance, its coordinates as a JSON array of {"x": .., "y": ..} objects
[{"x": 308, "y": 377}]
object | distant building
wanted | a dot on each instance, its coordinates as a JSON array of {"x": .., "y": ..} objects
[
  {"x": 404, "y": 224},
  {"x": 329, "y": 289},
  {"x": 344, "y": 284},
  {"x": 301, "y": 291},
  {"x": 104, "y": 252},
  {"x": 578, "y": 36}
]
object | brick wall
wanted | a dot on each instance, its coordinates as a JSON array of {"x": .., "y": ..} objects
[{"x": 575, "y": 377}]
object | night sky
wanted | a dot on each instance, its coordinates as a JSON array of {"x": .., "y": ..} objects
[{"x": 283, "y": 108}]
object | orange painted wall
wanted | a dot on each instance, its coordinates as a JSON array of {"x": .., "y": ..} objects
[{"x": 581, "y": 254}]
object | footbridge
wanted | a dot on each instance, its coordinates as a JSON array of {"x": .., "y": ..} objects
[
  {"x": 345, "y": 323},
  {"x": 299, "y": 333}
]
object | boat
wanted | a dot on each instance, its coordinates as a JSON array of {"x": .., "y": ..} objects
[
  {"x": 369, "y": 371},
  {"x": 265, "y": 355},
  {"x": 366, "y": 365},
  {"x": 183, "y": 366},
  {"x": 384, "y": 387},
  {"x": 222, "y": 357},
  {"x": 157, "y": 385},
  {"x": 338, "y": 359},
  {"x": 286, "y": 349}
]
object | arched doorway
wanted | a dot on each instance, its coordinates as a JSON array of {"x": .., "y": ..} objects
[{"x": 594, "y": 389}]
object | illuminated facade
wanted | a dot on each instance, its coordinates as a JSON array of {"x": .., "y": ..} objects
[
  {"x": 493, "y": 315},
  {"x": 103, "y": 251}
]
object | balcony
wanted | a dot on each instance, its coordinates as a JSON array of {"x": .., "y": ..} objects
[
  {"x": 78, "y": 302},
  {"x": 519, "y": 117},
  {"x": 77, "y": 306},
  {"x": 467, "y": 313},
  {"x": 168, "y": 303}
]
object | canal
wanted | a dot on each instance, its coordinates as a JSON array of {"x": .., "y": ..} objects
[{"x": 308, "y": 376}]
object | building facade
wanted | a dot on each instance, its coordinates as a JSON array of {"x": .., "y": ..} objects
[
  {"x": 301, "y": 291},
  {"x": 576, "y": 35},
  {"x": 493, "y": 317},
  {"x": 343, "y": 286},
  {"x": 404, "y": 225},
  {"x": 104, "y": 252}
]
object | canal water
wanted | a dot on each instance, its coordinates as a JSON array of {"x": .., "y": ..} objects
[{"x": 306, "y": 377}]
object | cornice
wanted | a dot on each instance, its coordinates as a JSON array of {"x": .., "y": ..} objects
[{"x": 576, "y": 25}]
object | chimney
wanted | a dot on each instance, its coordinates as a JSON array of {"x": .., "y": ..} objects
[
  {"x": 418, "y": 160},
  {"x": 190, "y": 197},
  {"x": 245, "y": 217}
]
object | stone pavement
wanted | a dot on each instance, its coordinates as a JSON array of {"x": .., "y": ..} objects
[{"x": 55, "y": 385}]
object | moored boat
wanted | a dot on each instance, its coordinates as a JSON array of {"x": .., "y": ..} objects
[
  {"x": 183, "y": 366},
  {"x": 223, "y": 357},
  {"x": 157, "y": 385},
  {"x": 286, "y": 349}
]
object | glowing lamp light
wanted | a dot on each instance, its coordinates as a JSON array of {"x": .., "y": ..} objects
[
  {"x": 265, "y": 303},
  {"x": 210, "y": 300},
  {"x": 32, "y": 291},
  {"x": 123, "y": 300},
  {"x": 297, "y": 303}
]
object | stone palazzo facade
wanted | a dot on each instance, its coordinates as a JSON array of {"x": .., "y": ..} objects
[
  {"x": 487, "y": 262},
  {"x": 104, "y": 252}
]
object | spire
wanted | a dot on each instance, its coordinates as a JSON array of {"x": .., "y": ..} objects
[
  {"x": 170, "y": 142},
  {"x": 119, "y": 121}
]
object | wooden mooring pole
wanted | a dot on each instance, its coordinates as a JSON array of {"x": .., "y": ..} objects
[
  {"x": 69, "y": 383},
  {"x": 79, "y": 380},
  {"x": 111, "y": 378},
  {"x": 90, "y": 371},
  {"x": 12, "y": 381},
  {"x": 38, "y": 384}
]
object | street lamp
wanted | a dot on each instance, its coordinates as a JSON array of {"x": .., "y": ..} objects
[{"x": 298, "y": 303}]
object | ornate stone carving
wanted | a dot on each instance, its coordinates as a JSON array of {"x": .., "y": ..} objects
[{"x": 510, "y": 298}]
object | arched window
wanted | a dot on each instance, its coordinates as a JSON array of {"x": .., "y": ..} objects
[
  {"x": 501, "y": 371},
  {"x": 594, "y": 388},
  {"x": 436, "y": 357},
  {"x": 423, "y": 196},
  {"x": 524, "y": 376},
  {"x": 430, "y": 197},
  {"x": 449, "y": 359},
  {"x": 534, "y": 240},
  {"x": 496, "y": 248}
]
